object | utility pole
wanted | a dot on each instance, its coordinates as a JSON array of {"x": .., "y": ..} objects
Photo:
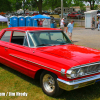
[{"x": 61, "y": 8}]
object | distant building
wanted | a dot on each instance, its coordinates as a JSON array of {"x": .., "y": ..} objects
[
  {"x": 71, "y": 9},
  {"x": 65, "y": 10},
  {"x": 77, "y": 8}
]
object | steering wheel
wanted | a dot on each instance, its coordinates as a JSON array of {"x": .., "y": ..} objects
[{"x": 59, "y": 40}]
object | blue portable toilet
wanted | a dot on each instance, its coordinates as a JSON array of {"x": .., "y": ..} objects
[
  {"x": 52, "y": 25},
  {"x": 34, "y": 22},
  {"x": 28, "y": 21},
  {"x": 21, "y": 21},
  {"x": 36, "y": 18},
  {"x": 14, "y": 21}
]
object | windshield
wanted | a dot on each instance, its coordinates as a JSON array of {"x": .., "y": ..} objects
[{"x": 47, "y": 38}]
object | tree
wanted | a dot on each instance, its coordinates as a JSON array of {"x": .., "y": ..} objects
[
  {"x": 79, "y": 3},
  {"x": 16, "y": 4},
  {"x": 5, "y": 6},
  {"x": 39, "y": 5},
  {"x": 92, "y": 2},
  {"x": 54, "y": 4}
]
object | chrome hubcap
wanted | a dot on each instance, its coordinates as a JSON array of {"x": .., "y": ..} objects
[{"x": 48, "y": 83}]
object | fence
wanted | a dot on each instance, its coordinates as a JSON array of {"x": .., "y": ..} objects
[{"x": 77, "y": 22}]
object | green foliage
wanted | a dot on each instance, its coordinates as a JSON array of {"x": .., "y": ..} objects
[
  {"x": 95, "y": 7},
  {"x": 16, "y": 4},
  {"x": 5, "y": 6},
  {"x": 8, "y": 5},
  {"x": 51, "y": 4},
  {"x": 69, "y": 3}
]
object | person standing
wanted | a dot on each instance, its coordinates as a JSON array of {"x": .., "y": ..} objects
[
  {"x": 62, "y": 24},
  {"x": 98, "y": 23},
  {"x": 69, "y": 29},
  {"x": 93, "y": 23},
  {"x": 40, "y": 22}
]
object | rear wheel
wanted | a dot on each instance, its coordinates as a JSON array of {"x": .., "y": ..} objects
[{"x": 49, "y": 84}]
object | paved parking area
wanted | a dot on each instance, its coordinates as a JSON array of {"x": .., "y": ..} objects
[{"x": 86, "y": 37}]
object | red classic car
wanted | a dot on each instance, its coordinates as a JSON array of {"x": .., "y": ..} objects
[
  {"x": 74, "y": 15},
  {"x": 48, "y": 54}
]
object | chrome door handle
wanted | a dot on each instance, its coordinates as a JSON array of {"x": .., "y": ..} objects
[{"x": 6, "y": 48}]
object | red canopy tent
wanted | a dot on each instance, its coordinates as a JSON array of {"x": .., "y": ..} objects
[{"x": 2, "y": 13}]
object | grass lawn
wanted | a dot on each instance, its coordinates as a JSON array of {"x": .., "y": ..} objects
[
  {"x": 3, "y": 25},
  {"x": 55, "y": 16},
  {"x": 13, "y": 81}
]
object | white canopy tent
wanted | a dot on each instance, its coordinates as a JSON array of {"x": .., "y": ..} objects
[{"x": 3, "y": 19}]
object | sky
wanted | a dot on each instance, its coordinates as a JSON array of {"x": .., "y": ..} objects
[{"x": 87, "y": 3}]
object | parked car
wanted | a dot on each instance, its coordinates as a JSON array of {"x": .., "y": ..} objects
[
  {"x": 64, "y": 14},
  {"x": 48, "y": 54},
  {"x": 33, "y": 13},
  {"x": 82, "y": 14},
  {"x": 74, "y": 15},
  {"x": 46, "y": 13}
]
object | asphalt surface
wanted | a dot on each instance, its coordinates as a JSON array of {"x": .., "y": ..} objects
[{"x": 86, "y": 37}]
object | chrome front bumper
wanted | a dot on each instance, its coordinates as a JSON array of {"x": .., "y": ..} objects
[{"x": 71, "y": 85}]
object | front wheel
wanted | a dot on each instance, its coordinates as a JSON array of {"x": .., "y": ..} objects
[{"x": 49, "y": 84}]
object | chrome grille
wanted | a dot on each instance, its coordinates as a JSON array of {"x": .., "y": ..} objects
[
  {"x": 83, "y": 70},
  {"x": 93, "y": 69}
]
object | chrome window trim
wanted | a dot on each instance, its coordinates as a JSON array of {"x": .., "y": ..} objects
[
  {"x": 27, "y": 38},
  {"x": 35, "y": 63}
]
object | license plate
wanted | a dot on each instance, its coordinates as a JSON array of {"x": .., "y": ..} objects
[{"x": 97, "y": 80}]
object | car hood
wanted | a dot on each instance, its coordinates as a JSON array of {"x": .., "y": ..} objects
[{"x": 80, "y": 54}]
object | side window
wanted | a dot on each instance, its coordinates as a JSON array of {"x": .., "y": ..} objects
[
  {"x": 18, "y": 37},
  {"x": 6, "y": 36}
]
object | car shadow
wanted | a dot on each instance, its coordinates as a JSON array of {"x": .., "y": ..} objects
[
  {"x": 86, "y": 93},
  {"x": 26, "y": 78}
]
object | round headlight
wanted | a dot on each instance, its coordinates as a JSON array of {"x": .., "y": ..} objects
[
  {"x": 81, "y": 72},
  {"x": 71, "y": 73}
]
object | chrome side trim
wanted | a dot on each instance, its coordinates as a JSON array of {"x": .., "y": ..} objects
[
  {"x": 34, "y": 63},
  {"x": 70, "y": 85}
]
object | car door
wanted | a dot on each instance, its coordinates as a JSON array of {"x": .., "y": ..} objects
[
  {"x": 20, "y": 55},
  {"x": 17, "y": 52},
  {"x": 4, "y": 45}
]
